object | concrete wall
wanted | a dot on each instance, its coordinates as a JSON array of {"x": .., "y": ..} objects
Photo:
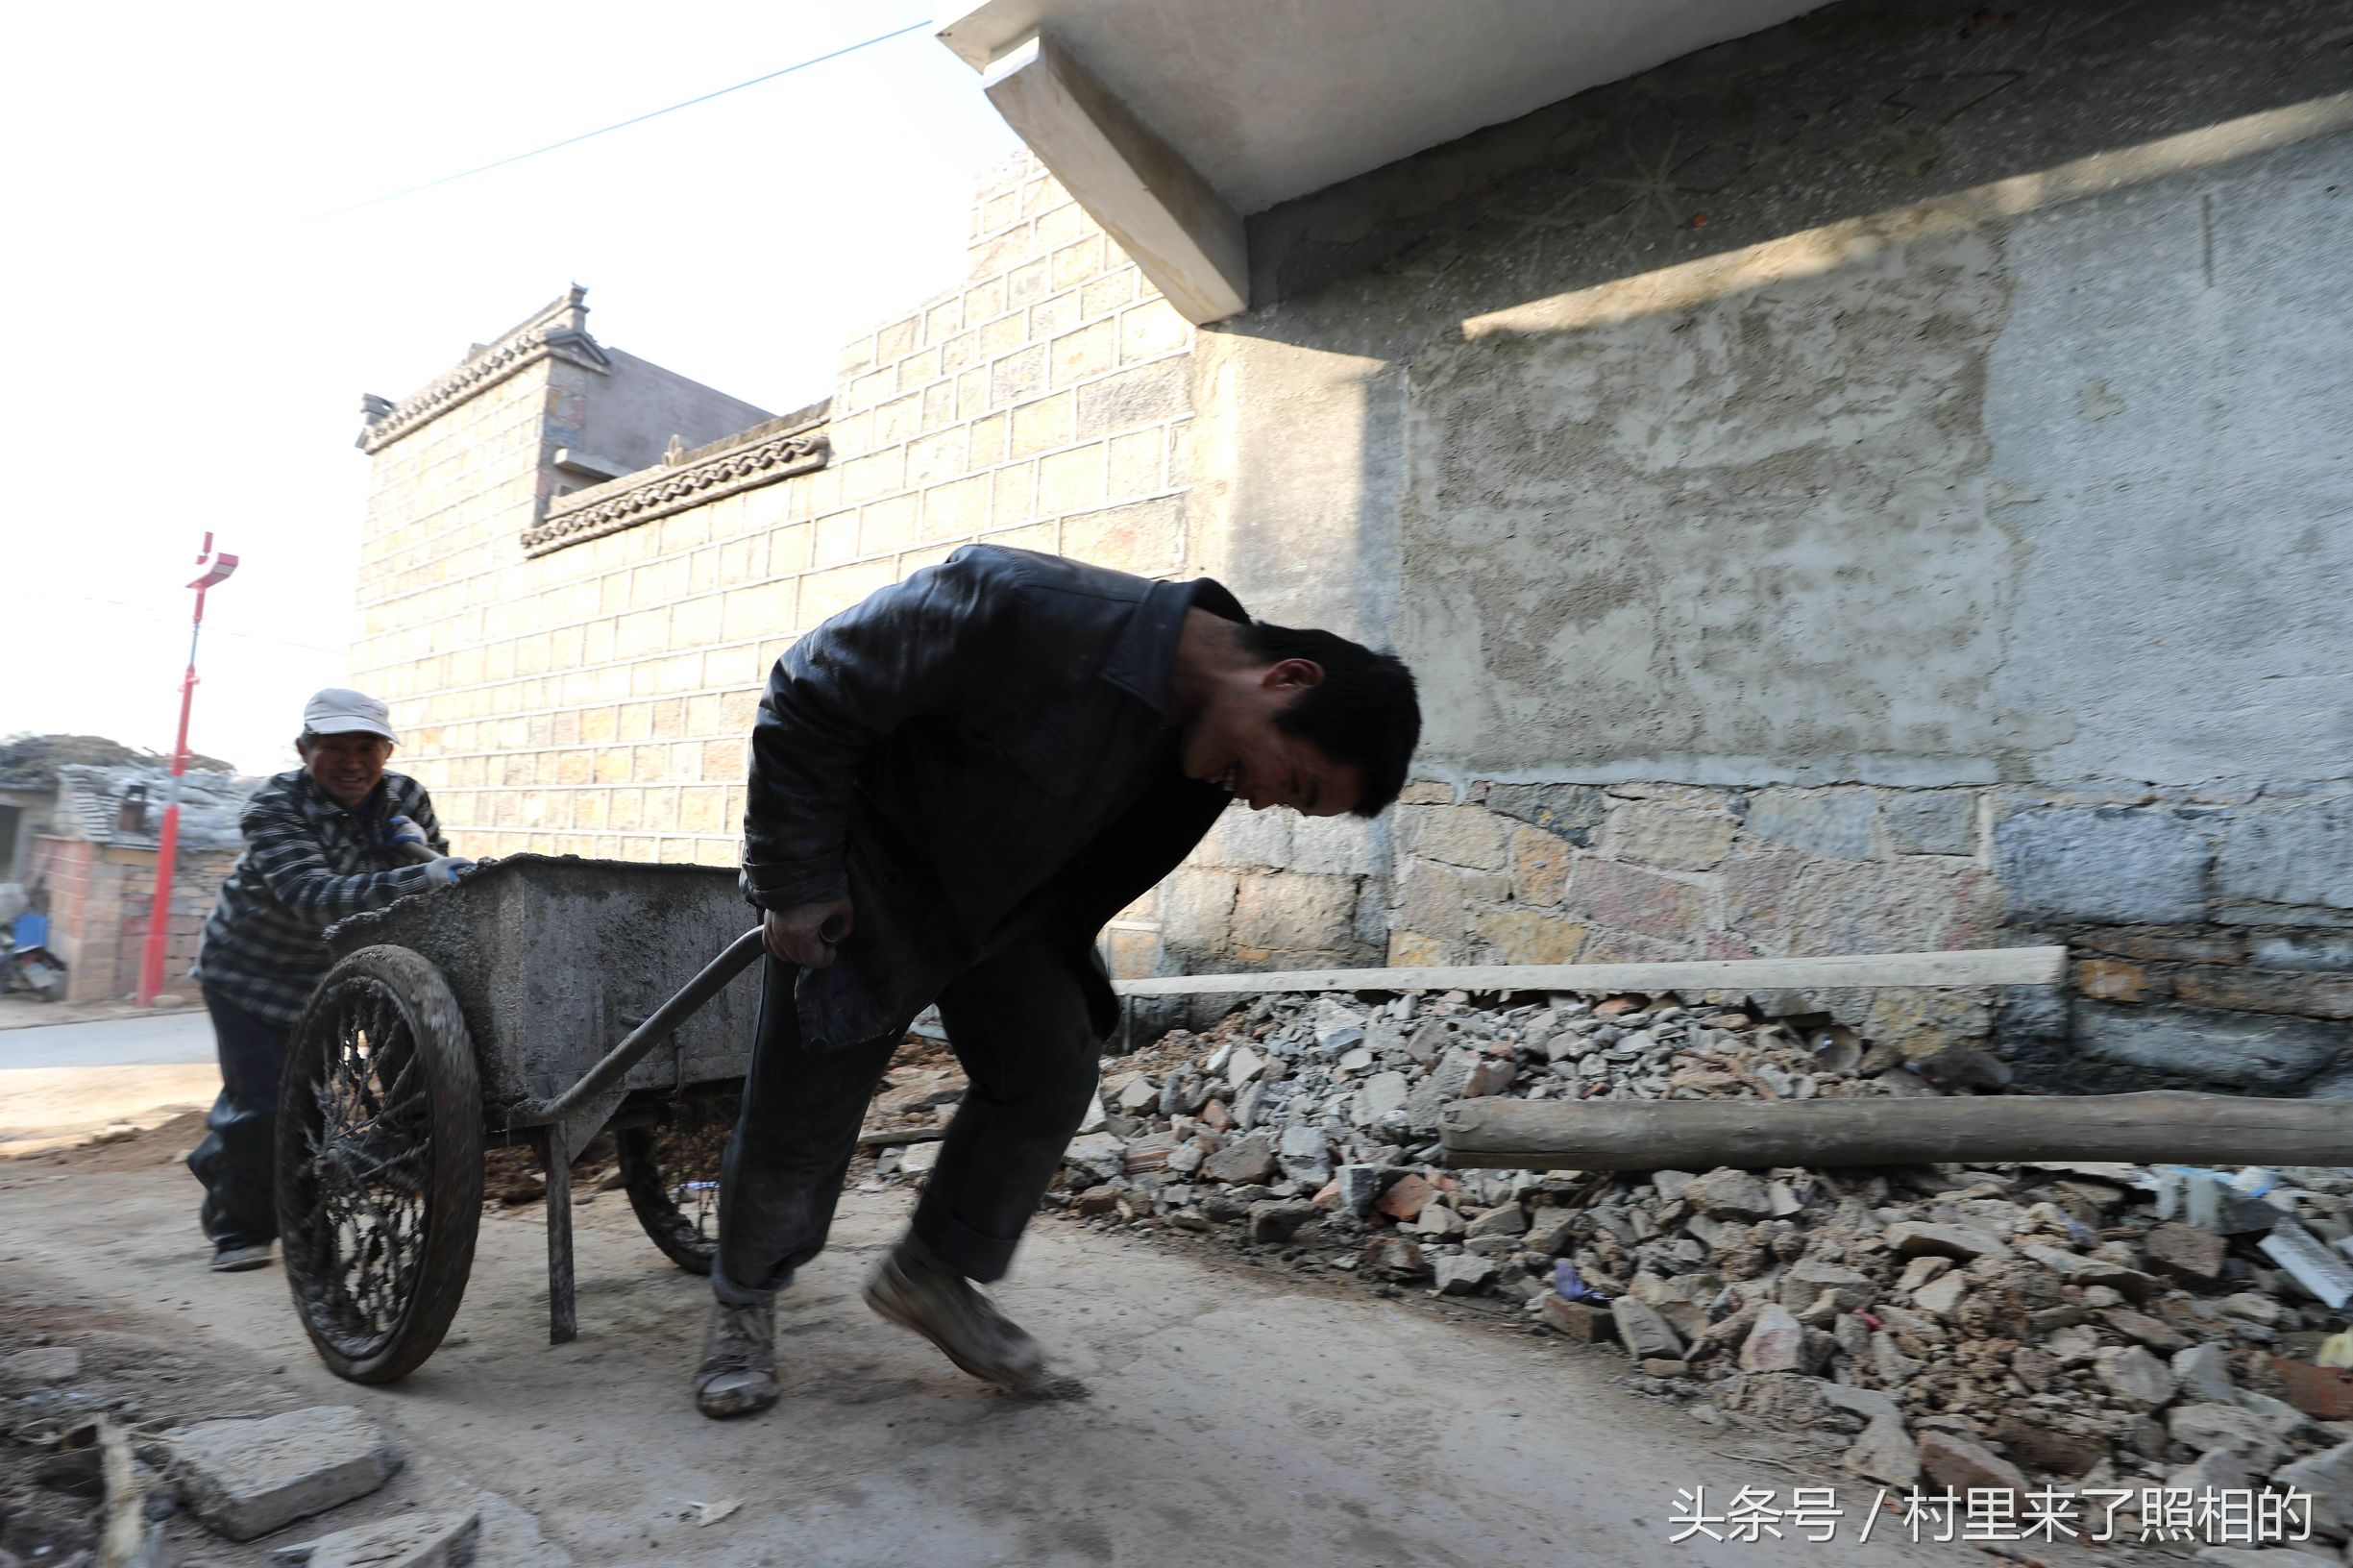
[{"x": 1882, "y": 483}]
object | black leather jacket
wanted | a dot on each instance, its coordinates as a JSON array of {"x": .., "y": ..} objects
[{"x": 983, "y": 743}]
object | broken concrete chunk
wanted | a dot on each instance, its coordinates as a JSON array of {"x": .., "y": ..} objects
[
  {"x": 1506, "y": 1219},
  {"x": 1960, "y": 1242},
  {"x": 1810, "y": 1277},
  {"x": 1405, "y": 1198},
  {"x": 39, "y": 1367},
  {"x": 1725, "y": 1194},
  {"x": 434, "y": 1540},
  {"x": 1099, "y": 1155},
  {"x": 1395, "y": 1257},
  {"x": 1273, "y": 1219},
  {"x": 2209, "y": 1427},
  {"x": 1360, "y": 1188},
  {"x": 1885, "y": 1453},
  {"x": 2321, "y": 1272},
  {"x": 2136, "y": 1375},
  {"x": 2202, "y": 1373},
  {"x": 1643, "y": 1331},
  {"x": 1438, "y": 1221},
  {"x": 1550, "y": 1231},
  {"x": 1242, "y": 1163},
  {"x": 1464, "y": 1274},
  {"x": 1672, "y": 1183},
  {"x": 1949, "y": 1459},
  {"x": 1383, "y": 1092},
  {"x": 2218, "y": 1468},
  {"x": 1776, "y": 1342},
  {"x": 1243, "y": 1065},
  {"x": 2159, "y": 1336},
  {"x": 2077, "y": 1270},
  {"x": 2329, "y": 1477},
  {"x": 1304, "y": 1156},
  {"x": 245, "y": 1478},
  {"x": 1939, "y": 1296},
  {"x": 1446, "y": 1082},
  {"x": 1579, "y": 1320},
  {"x": 2185, "y": 1253}
]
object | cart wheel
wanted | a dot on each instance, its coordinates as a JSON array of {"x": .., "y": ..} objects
[
  {"x": 671, "y": 1172},
  {"x": 379, "y": 1163}
]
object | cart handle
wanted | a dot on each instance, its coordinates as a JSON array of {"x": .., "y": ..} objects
[{"x": 664, "y": 1022}]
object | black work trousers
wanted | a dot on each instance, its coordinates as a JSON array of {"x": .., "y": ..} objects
[
  {"x": 1018, "y": 1023},
  {"x": 238, "y": 1159}
]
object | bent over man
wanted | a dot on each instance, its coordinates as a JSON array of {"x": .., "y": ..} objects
[
  {"x": 954, "y": 785},
  {"x": 331, "y": 837}
]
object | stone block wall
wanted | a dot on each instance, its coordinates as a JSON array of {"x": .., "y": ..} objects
[
  {"x": 1563, "y": 873},
  {"x": 2212, "y": 931}
]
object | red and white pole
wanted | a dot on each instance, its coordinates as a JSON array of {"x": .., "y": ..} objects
[{"x": 167, "y": 850}]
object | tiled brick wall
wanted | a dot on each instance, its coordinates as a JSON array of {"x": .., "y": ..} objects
[{"x": 595, "y": 699}]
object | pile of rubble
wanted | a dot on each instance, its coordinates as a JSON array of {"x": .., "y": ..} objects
[
  {"x": 1961, "y": 1323},
  {"x": 84, "y": 1481}
]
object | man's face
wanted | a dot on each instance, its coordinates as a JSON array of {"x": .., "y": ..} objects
[
  {"x": 348, "y": 766},
  {"x": 1234, "y": 743}
]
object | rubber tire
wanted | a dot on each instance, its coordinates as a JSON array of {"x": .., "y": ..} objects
[
  {"x": 648, "y": 1187},
  {"x": 454, "y": 1188}
]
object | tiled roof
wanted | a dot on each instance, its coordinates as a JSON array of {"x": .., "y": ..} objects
[{"x": 89, "y": 802}]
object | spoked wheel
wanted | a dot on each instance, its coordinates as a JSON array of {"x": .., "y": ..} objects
[
  {"x": 671, "y": 1171},
  {"x": 379, "y": 1163}
]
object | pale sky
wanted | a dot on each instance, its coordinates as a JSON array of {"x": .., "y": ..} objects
[{"x": 190, "y": 336}]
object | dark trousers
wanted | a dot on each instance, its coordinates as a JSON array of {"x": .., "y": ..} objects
[
  {"x": 1018, "y": 1021},
  {"x": 238, "y": 1160}
]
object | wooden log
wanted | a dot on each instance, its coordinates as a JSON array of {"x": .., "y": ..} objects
[
  {"x": 1970, "y": 966},
  {"x": 2162, "y": 1127}
]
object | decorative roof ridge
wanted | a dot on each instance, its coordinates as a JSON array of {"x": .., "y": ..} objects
[
  {"x": 796, "y": 443},
  {"x": 559, "y": 330}
]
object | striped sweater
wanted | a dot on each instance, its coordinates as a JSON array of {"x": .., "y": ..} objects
[{"x": 308, "y": 863}]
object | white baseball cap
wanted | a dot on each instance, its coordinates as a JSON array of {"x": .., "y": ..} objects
[{"x": 339, "y": 710}]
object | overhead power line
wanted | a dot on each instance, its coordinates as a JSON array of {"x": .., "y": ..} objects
[{"x": 636, "y": 119}]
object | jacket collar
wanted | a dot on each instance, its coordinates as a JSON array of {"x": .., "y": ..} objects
[{"x": 1143, "y": 658}]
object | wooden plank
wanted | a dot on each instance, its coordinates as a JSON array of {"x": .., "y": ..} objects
[
  {"x": 2165, "y": 1126},
  {"x": 1162, "y": 213},
  {"x": 1970, "y": 967}
]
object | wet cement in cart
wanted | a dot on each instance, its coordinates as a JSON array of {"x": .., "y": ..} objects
[{"x": 1237, "y": 1418}]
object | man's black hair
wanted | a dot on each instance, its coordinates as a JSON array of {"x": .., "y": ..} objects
[{"x": 1364, "y": 714}]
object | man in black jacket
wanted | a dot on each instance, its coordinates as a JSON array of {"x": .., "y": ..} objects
[{"x": 954, "y": 785}]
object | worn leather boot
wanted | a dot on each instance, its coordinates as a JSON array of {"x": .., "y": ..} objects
[
  {"x": 915, "y": 1289},
  {"x": 738, "y": 1374}
]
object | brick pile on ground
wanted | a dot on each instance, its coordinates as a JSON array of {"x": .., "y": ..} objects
[{"x": 1958, "y": 1322}]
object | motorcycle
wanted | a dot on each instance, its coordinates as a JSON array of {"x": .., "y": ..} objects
[{"x": 27, "y": 963}]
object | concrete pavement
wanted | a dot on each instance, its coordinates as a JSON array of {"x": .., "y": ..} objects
[{"x": 62, "y": 1083}]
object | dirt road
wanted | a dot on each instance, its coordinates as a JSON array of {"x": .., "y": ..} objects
[{"x": 1235, "y": 1418}]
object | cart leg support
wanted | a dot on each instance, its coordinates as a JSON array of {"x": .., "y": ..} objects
[{"x": 563, "y": 1322}]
